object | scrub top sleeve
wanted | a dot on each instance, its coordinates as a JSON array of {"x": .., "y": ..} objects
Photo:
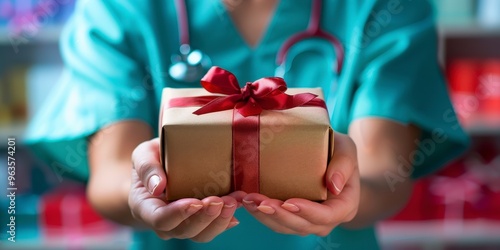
[
  {"x": 399, "y": 79},
  {"x": 103, "y": 83}
]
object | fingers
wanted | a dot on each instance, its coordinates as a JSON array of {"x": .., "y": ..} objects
[
  {"x": 224, "y": 221},
  {"x": 302, "y": 217},
  {"x": 212, "y": 207},
  {"x": 158, "y": 215},
  {"x": 316, "y": 213},
  {"x": 271, "y": 213},
  {"x": 206, "y": 223},
  {"x": 295, "y": 216},
  {"x": 238, "y": 196},
  {"x": 342, "y": 165},
  {"x": 336, "y": 209},
  {"x": 203, "y": 220},
  {"x": 146, "y": 161},
  {"x": 186, "y": 218},
  {"x": 348, "y": 200}
]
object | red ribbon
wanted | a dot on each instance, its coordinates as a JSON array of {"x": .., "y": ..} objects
[{"x": 247, "y": 104}]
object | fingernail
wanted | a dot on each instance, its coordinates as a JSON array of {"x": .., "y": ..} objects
[
  {"x": 266, "y": 209},
  {"x": 214, "y": 208},
  {"x": 232, "y": 224},
  {"x": 193, "y": 208},
  {"x": 290, "y": 207},
  {"x": 153, "y": 183},
  {"x": 249, "y": 204},
  {"x": 337, "y": 183},
  {"x": 227, "y": 212}
]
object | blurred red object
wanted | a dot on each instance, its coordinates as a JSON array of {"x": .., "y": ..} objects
[
  {"x": 467, "y": 189},
  {"x": 454, "y": 193},
  {"x": 66, "y": 212},
  {"x": 489, "y": 90},
  {"x": 463, "y": 81},
  {"x": 417, "y": 208},
  {"x": 462, "y": 75}
]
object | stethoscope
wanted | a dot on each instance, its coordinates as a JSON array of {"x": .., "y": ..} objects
[{"x": 190, "y": 65}]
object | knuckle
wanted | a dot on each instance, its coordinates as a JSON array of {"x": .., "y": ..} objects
[
  {"x": 135, "y": 209},
  {"x": 200, "y": 239},
  {"x": 162, "y": 235},
  {"x": 302, "y": 231},
  {"x": 152, "y": 219},
  {"x": 348, "y": 150},
  {"x": 158, "y": 222},
  {"x": 143, "y": 168},
  {"x": 155, "y": 224},
  {"x": 351, "y": 215},
  {"x": 137, "y": 151},
  {"x": 134, "y": 215},
  {"x": 323, "y": 233},
  {"x": 209, "y": 219},
  {"x": 349, "y": 159},
  {"x": 176, "y": 234},
  {"x": 180, "y": 233},
  {"x": 328, "y": 221},
  {"x": 345, "y": 164},
  {"x": 186, "y": 236}
]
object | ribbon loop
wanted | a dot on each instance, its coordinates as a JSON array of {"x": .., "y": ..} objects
[
  {"x": 263, "y": 94},
  {"x": 221, "y": 81}
]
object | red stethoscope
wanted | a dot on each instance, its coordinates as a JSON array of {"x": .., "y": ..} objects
[{"x": 190, "y": 65}]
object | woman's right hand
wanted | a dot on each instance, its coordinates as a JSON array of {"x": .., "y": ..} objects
[{"x": 198, "y": 220}]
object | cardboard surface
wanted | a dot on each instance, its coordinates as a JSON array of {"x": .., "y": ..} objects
[{"x": 295, "y": 147}]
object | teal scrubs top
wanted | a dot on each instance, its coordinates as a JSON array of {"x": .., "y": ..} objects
[{"x": 117, "y": 55}]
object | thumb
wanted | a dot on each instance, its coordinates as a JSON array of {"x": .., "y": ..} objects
[
  {"x": 343, "y": 163},
  {"x": 146, "y": 162}
]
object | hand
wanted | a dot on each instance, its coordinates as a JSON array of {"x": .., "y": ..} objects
[
  {"x": 304, "y": 217},
  {"x": 199, "y": 220}
]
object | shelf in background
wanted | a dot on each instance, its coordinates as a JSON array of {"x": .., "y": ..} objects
[
  {"x": 437, "y": 234},
  {"x": 482, "y": 126},
  {"x": 46, "y": 34},
  {"x": 471, "y": 29},
  {"x": 120, "y": 238},
  {"x": 482, "y": 130}
]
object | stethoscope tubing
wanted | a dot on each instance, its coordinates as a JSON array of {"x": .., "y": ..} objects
[
  {"x": 313, "y": 30},
  {"x": 182, "y": 22}
]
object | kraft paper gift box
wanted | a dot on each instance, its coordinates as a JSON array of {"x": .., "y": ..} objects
[{"x": 293, "y": 149}]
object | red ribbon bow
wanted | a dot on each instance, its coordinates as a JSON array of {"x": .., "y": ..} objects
[
  {"x": 263, "y": 94},
  {"x": 247, "y": 103}
]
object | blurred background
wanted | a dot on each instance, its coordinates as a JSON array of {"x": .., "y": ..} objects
[{"x": 456, "y": 208}]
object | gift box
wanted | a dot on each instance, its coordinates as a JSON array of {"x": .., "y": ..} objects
[{"x": 254, "y": 139}]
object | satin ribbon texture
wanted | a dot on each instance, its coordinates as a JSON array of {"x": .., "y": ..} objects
[{"x": 247, "y": 104}]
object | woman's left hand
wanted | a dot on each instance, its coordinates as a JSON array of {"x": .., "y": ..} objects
[{"x": 304, "y": 217}]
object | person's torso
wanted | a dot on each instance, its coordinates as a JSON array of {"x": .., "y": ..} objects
[{"x": 309, "y": 63}]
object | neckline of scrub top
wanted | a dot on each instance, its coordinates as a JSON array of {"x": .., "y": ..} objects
[{"x": 267, "y": 31}]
